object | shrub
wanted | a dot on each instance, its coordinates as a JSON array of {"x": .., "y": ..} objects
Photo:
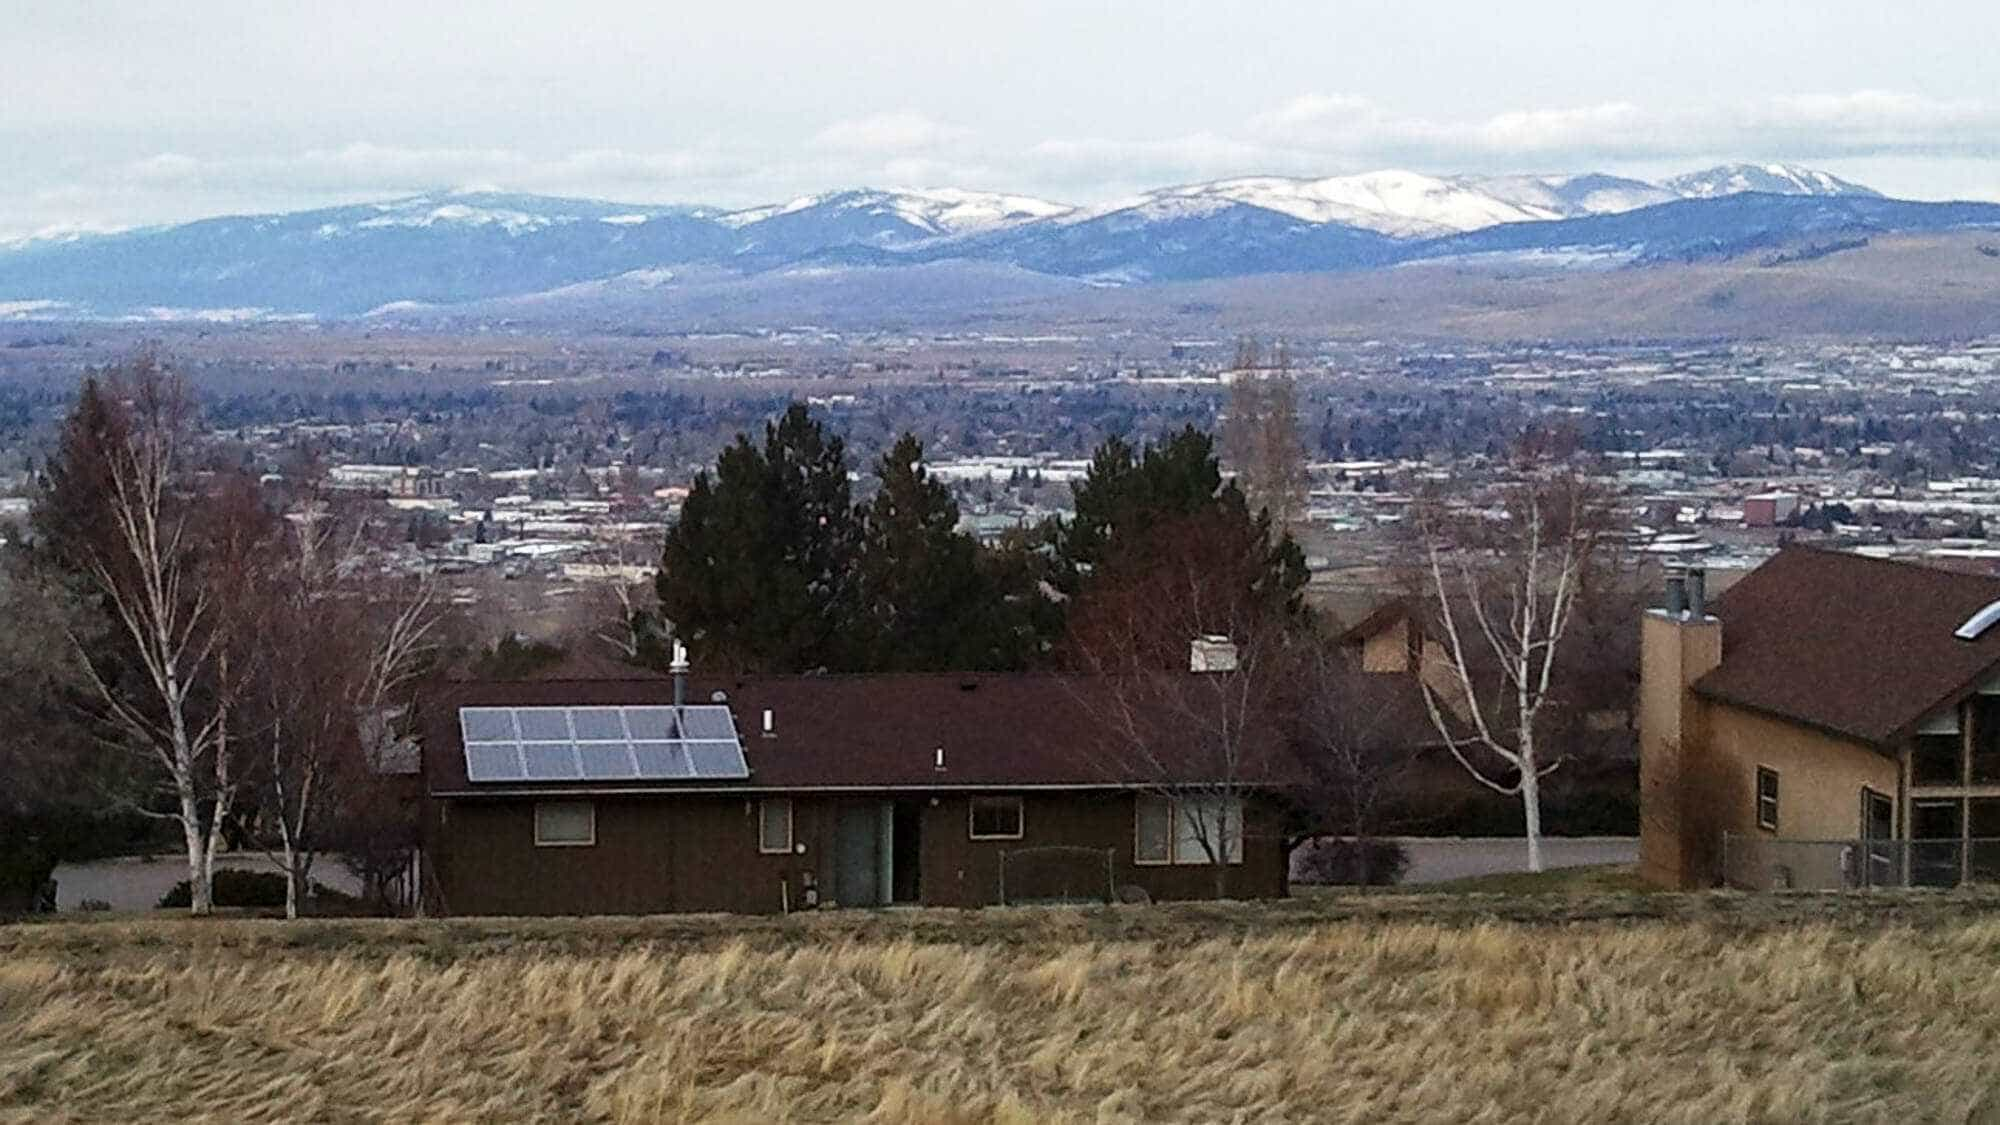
[
  {"x": 93, "y": 906},
  {"x": 255, "y": 889},
  {"x": 1354, "y": 863}
]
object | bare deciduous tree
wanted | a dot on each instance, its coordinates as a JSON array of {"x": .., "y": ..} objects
[
  {"x": 1506, "y": 591},
  {"x": 165, "y": 693},
  {"x": 1261, "y": 433},
  {"x": 339, "y": 652},
  {"x": 1357, "y": 735},
  {"x": 1200, "y": 742}
]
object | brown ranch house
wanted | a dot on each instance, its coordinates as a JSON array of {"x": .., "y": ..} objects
[
  {"x": 1831, "y": 721},
  {"x": 763, "y": 794}
]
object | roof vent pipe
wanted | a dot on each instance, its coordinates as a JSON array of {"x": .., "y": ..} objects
[
  {"x": 679, "y": 668},
  {"x": 1697, "y": 592},
  {"x": 1677, "y": 593}
]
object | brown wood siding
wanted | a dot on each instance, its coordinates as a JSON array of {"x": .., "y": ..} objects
[{"x": 699, "y": 853}]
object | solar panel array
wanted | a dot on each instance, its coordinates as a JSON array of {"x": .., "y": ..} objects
[{"x": 601, "y": 744}]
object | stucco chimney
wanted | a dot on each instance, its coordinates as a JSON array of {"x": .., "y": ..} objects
[
  {"x": 1212, "y": 653},
  {"x": 1679, "y": 643}
]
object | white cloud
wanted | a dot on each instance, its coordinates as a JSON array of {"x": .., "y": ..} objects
[
  {"x": 1861, "y": 123},
  {"x": 1902, "y": 141},
  {"x": 903, "y": 131}
]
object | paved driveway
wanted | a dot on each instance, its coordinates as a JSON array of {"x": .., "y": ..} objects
[
  {"x": 136, "y": 883},
  {"x": 1439, "y": 859}
]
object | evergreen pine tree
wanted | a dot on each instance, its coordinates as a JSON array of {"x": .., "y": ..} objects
[
  {"x": 925, "y": 601},
  {"x": 752, "y": 575}
]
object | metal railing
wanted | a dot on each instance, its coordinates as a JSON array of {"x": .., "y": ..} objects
[{"x": 1766, "y": 863}]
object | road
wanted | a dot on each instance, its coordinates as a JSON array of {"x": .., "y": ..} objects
[
  {"x": 136, "y": 883},
  {"x": 1439, "y": 859}
]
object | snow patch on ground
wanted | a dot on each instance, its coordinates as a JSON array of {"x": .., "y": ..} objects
[
  {"x": 216, "y": 316},
  {"x": 29, "y": 310}
]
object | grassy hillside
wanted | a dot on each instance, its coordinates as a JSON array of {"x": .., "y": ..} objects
[
  {"x": 1618, "y": 1007},
  {"x": 1896, "y": 286}
]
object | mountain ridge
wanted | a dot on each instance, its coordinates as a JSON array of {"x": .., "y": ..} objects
[{"x": 461, "y": 248}]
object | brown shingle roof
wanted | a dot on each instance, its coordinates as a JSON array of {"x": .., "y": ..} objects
[
  {"x": 882, "y": 731},
  {"x": 1856, "y": 646}
]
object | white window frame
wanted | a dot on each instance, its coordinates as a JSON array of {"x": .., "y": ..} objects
[
  {"x": 791, "y": 834},
  {"x": 972, "y": 818},
  {"x": 1175, "y": 808},
  {"x": 1777, "y": 793},
  {"x": 542, "y": 839}
]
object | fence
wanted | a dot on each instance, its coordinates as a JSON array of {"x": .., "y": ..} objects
[
  {"x": 1057, "y": 874},
  {"x": 1764, "y": 863}
]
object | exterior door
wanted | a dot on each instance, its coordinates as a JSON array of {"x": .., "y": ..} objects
[
  {"x": 1878, "y": 834},
  {"x": 861, "y": 854}
]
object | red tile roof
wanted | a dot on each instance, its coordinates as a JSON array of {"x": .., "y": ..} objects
[{"x": 1855, "y": 646}]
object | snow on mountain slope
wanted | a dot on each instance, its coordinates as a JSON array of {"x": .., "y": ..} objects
[
  {"x": 1571, "y": 196},
  {"x": 1392, "y": 202},
  {"x": 931, "y": 211},
  {"x": 1775, "y": 179}
]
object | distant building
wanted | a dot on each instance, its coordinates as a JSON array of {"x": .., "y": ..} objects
[
  {"x": 1769, "y": 509},
  {"x": 395, "y": 480}
]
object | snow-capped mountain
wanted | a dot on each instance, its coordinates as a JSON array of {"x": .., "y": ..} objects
[
  {"x": 1773, "y": 179},
  {"x": 926, "y": 212},
  {"x": 459, "y": 248},
  {"x": 1396, "y": 203},
  {"x": 1570, "y": 197}
]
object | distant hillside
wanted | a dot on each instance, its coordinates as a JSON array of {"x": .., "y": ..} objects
[{"x": 470, "y": 254}]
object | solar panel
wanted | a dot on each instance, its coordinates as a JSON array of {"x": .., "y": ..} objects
[
  {"x": 607, "y": 761},
  {"x": 716, "y": 759},
  {"x": 601, "y": 743},
  {"x": 662, "y": 759}
]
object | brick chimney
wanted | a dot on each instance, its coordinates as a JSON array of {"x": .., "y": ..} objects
[{"x": 1679, "y": 642}]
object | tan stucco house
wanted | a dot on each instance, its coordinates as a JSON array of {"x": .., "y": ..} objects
[{"x": 1831, "y": 721}]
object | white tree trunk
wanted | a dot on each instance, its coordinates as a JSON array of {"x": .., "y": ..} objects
[
  {"x": 1531, "y": 809},
  {"x": 200, "y": 901},
  {"x": 291, "y": 870}
]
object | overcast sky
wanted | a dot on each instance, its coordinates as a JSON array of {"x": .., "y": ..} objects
[{"x": 118, "y": 114}]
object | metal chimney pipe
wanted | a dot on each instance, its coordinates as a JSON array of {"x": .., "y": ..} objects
[
  {"x": 1697, "y": 591},
  {"x": 1677, "y": 595},
  {"x": 679, "y": 668}
]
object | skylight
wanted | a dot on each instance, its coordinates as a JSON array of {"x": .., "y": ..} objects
[{"x": 1978, "y": 623}]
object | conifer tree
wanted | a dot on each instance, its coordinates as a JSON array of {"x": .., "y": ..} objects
[
  {"x": 754, "y": 575},
  {"x": 925, "y": 602}
]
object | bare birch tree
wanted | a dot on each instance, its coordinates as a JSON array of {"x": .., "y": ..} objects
[
  {"x": 1506, "y": 593},
  {"x": 164, "y": 693}
]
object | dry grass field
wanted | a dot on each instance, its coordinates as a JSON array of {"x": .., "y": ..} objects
[{"x": 1598, "y": 1007}]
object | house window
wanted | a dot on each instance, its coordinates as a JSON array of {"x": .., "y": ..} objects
[
  {"x": 1985, "y": 740},
  {"x": 996, "y": 818},
  {"x": 1767, "y": 799},
  {"x": 565, "y": 824},
  {"x": 1188, "y": 831},
  {"x": 1934, "y": 760},
  {"x": 1153, "y": 834},
  {"x": 774, "y": 826}
]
